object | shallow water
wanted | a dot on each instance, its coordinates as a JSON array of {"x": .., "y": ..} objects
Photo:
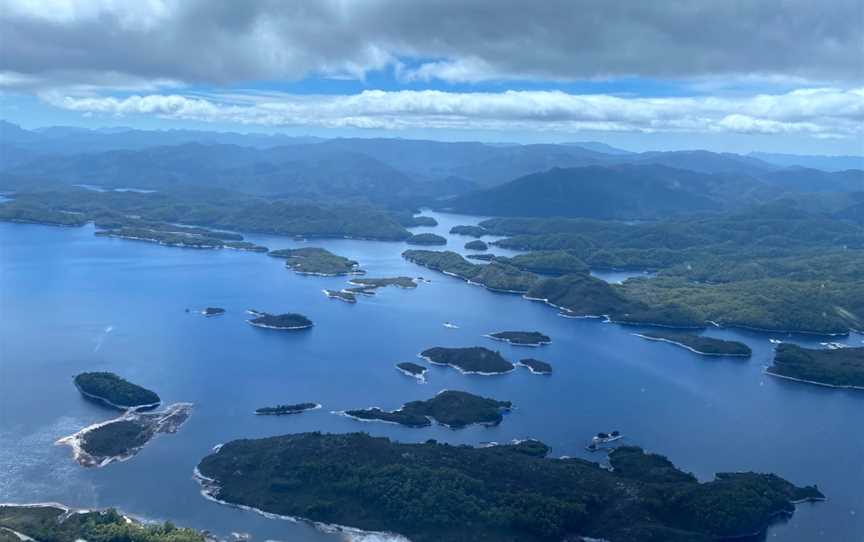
[{"x": 70, "y": 302}]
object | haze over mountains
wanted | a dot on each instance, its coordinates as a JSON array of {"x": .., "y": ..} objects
[{"x": 586, "y": 179}]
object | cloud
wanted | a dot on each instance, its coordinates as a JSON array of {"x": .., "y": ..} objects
[
  {"x": 820, "y": 112},
  {"x": 73, "y": 42}
]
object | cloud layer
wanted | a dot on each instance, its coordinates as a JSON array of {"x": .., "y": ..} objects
[
  {"x": 105, "y": 42},
  {"x": 824, "y": 113}
]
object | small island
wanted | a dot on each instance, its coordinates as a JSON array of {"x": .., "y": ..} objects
[
  {"x": 476, "y": 244},
  {"x": 316, "y": 261},
  {"x": 453, "y": 409},
  {"x": 341, "y": 295},
  {"x": 472, "y": 360},
  {"x": 121, "y": 438},
  {"x": 471, "y": 231},
  {"x": 282, "y": 410},
  {"x": 517, "y": 491},
  {"x": 835, "y": 368},
  {"x": 426, "y": 239},
  {"x": 246, "y": 245},
  {"x": 287, "y": 321},
  {"x": 413, "y": 370},
  {"x": 536, "y": 366},
  {"x": 400, "y": 282},
  {"x": 213, "y": 311},
  {"x": 521, "y": 338},
  {"x": 116, "y": 392},
  {"x": 706, "y": 346}
]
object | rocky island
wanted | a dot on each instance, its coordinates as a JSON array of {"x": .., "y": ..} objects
[
  {"x": 835, "y": 368},
  {"x": 515, "y": 491},
  {"x": 413, "y": 370},
  {"x": 426, "y": 239},
  {"x": 453, "y": 409},
  {"x": 121, "y": 438},
  {"x": 536, "y": 366},
  {"x": 281, "y": 410},
  {"x": 341, "y": 295},
  {"x": 114, "y": 391},
  {"x": 521, "y": 338},
  {"x": 316, "y": 261},
  {"x": 706, "y": 346},
  {"x": 472, "y": 360},
  {"x": 213, "y": 311},
  {"x": 288, "y": 321}
]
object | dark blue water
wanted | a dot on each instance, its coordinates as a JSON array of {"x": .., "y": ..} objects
[{"x": 62, "y": 289}]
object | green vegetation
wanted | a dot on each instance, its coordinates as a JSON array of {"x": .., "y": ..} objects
[
  {"x": 471, "y": 360},
  {"x": 527, "y": 338},
  {"x": 841, "y": 368},
  {"x": 409, "y": 220},
  {"x": 245, "y": 245},
  {"x": 280, "y": 410},
  {"x": 495, "y": 276},
  {"x": 482, "y": 257},
  {"x": 115, "y": 391},
  {"x": 477, "y": 244},
  {"x": 116, "y": 439},
  {"x": 401, "y": 282},
  {"x": 454, "y": 409},
  {"x": 708, "y": 346},
  {"x": 47, "y": 523},
  {"x": 412, "y": 369},
  {"x": 555, "y": 262},
  {"x": 36, "y": 213},
  {"x": 288, "y": 321},
  {"x": 442, "y": 493},
  {"x": 426, "y": 239},
  {"x": 471, "y": 231},
  {"x": 536, "y": 366},
  {"x": 341, "y": 295},
  {"x": 316, "y": 261}
]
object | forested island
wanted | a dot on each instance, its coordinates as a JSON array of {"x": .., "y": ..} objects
[
  {"x": 287, "y": 321},
  {"x": 707, "y": 346},
  {"x": 316, "y": 261},
  {"x": 55, "y": 523},
  {"x": 401, "y": 282},
  {"x": 426, "y": 239},
  {"x": 114, "y": 391},
  {"x": 476, "y": 245},
  {"x": 470, "y": 360},
  {"x": 536, "y": 366},
  {"x": 521, "y": 338},
  {"x": 471, "y": 231},
  {"x": 505, "y": 492},
  {"x": 413, "y": 370},
  {"x": 341, "y": 295},
  {"x": 454, "y": 409},
  {"x": 281, "y": 410},
  {"x": 837, "y": 368},
  {"x": 494, "y": 276}
]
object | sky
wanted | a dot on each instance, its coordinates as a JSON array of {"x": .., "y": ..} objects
[{"x": 726, "y": 75}]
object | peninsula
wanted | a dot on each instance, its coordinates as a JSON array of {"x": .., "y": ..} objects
[
  {"x": 281, "y": 410},
  {"x": 287, "y": 321},
  {"x": 510, "y": 492},
  {"x": 707, "y": 346},
  {"x": 316, "y": 261},
  {"x": 114, "y": 391},
  {"x": 837, "y": 368},
  {"x": 471, "y": 360},
  {"x": 521, "y": 338},
  {"x": 453, "y": 409}
]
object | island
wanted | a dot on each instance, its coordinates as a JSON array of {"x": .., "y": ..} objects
[
  {"x": 213, "y": 311},
  {"x": 121, "y": 438},
  {"x": 401, "y": 282},
  {"x": 521, "y": 338},
  {"x": 536, "y": 366},
  {"x": 281, "y": 410},
  {"x": 413, "y": 370},
  {"x": 116, "y": 392},
  {"x": 58, "y": 523},
  {"x": 472, "y": 360},
  {"x": 471, "y": 231},
  {"x": 341, "y": 295},
  {"x": 288, "y": 321},
  {"x": 453, "y": 409},
  {"x": 476, "y": 244},
  {"x": 706, "y": 346},
  {"x": 316, "y": 261},
  {"x": 512, "y": 492},
  {"x": 835, "y": 368},
  {"x": 426, "y": 239},
  {"x": 246, "y": 245},
  {"x": 164, "y": 238}
]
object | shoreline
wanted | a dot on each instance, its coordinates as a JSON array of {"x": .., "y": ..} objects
[
  {"x": 690, "y": 348},
  {"x": 531, "y": 369},
  {"x": 99, "y": 398},
  {"x": 420, "y": 378},
  {"x": 515, "y": 343},
  {"x": 463, "y": 371},
  {"x": 768, "y": 371},
  {"x": 282, "y": 328}
]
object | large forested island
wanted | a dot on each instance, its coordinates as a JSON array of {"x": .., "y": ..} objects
[
  {"x": 115, "y": 391},
  {"x": 470, "y": 360},
  {"x": 707, "y": 346},
  {"x": 287, "y": 321},
  {"x": 838, "y": 368},
  {"x": 451, "y": 408},
  {"x": 316, "y": 261},
  {"x": 53, "y": 523},
  {"x": 440, "y": 493}
]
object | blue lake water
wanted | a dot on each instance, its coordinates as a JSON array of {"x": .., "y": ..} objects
[{"x": 72, "y": 302}]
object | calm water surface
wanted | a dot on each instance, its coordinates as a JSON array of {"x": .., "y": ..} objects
[{"x": 72, "y": 302}]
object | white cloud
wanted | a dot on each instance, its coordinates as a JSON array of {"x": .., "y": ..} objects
[{"x": 822, "y": 112}]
